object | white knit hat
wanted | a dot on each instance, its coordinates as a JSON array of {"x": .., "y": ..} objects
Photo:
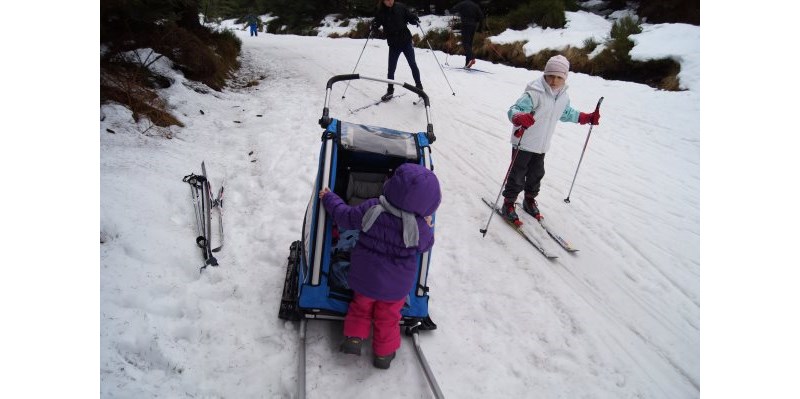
[{"x": 557, "y": 65}]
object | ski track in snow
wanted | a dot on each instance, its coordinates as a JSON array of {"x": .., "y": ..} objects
[{"x": 618, "y": 319}]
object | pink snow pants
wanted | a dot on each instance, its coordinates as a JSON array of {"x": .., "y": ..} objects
[{"x": 386, "y": 316}]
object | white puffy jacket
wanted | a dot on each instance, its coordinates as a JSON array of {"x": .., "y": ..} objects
[{"x": 548, "y": 109}]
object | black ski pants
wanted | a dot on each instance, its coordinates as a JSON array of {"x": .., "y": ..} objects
[
  {"x": 467, "y": 36},
  {"x": 526, "y": 174},
  {"x": 408, "y": 52}
]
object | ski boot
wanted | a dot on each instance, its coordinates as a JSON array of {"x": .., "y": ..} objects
[
  {"x": 383, "y": 362},
  {"x": 508, "y": 212},
  {"x": 530, "y": 206},
  {"x": 389, "y": 94},
  {"x": 351, "y": 346},
  {"x": 419, "y": 99}
]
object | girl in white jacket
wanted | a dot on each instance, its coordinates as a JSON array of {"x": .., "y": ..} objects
[{"x": 534, "y": 115}]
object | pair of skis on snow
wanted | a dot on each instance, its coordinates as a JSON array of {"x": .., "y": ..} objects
[
  {"x": 470, "y": 69},
  {"x": 534, "y": 232},
  {"x": 381, "y": 101},
  {"x": 204, "y": 202}
]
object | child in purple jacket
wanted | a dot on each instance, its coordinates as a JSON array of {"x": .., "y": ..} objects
[{"x": 395, "y": 228}]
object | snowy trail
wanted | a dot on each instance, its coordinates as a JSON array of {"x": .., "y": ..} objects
[
  {"x": 619, "y": 319},
  {"x": 475, "y": 124}
]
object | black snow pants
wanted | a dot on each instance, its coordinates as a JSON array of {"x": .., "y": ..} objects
[
  {"x": 526, "y": 174},
  {"x": 467, "y": 36}
]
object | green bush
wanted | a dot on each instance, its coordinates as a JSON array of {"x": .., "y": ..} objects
[
  {"x": 571, "y": 5},
  {"x": 590, "y": 45},
  {"x": 361, "y": 30},
  {"x": 616, "y": 54},
  {"x": 544, "y": 13},
  {"x": 496, "y": 25},
  {"x": 659, "y": 11},
  {"x": 624, "y": 27}
]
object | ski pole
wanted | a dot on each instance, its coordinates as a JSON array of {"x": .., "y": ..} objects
[
  {"x": 217, "y": 203},
  {"x": 597, "y": 108},
  {"x": 194, "y": 187},
  {"x": 508, "y": 172},
  {"x": 358, "y": 61},
  {"x": 424, "y": 35}
]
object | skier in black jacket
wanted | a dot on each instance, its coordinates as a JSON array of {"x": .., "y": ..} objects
[
  {"x": 471, "y": 17},
  {"x": 394, "y": 17}
]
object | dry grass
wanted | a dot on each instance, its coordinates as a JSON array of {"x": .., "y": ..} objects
[
  {"x": 202, "y": 55},
  {"x": 612, "y": 63},
  {"x": 508, "y": 54},
  {"x": 609, "y": 64},
  {"x": 129, "y": 85},
  {"x": 671, "y": 83}
]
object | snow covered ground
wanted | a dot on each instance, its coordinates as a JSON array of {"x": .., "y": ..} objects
[{"x": 619, "y": 319}]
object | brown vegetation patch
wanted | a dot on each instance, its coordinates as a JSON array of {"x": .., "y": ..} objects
[{"x": 129, "y": 85}]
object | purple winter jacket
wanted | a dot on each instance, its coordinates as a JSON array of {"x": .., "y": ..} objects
[{"x": 381, "y": 267}]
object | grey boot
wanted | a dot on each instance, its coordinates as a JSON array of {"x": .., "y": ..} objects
[
  {"x": 351, "y": 346},
  {"x": 383, "y": 362}
]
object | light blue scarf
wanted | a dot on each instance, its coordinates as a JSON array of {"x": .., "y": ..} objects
[{"x": 410, "y": 227}]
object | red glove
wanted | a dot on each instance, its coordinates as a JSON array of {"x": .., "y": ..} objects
[
  {"x": 593, "y": 118},
  {"x": 524, "y": 120}
]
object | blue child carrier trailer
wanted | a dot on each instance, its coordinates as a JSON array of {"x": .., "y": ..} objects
[{"x": 354, "y": 162}]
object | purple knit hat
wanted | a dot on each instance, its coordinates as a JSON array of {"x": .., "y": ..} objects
[{"x": 557, "y": 65}]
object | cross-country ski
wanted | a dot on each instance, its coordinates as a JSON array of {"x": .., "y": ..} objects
[
  {"x": 532, "y": 238},
  {"x": 549, "y": 230},
  {"x": 375, "y": 103},
  {"x": 204, "y": 201},
  {"x": 465, "y": 69}
]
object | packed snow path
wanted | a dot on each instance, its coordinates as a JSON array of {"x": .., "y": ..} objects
[{"x": 618, "y": 319}]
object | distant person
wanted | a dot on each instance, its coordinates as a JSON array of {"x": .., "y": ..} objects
[
  {"x": 252, "y": 22},
  {"x": 395, "y": 228},
  {"x": 394, "y": 18},
  {"x": 544, "y": 102},
  {"x": 471, "y": 18}
]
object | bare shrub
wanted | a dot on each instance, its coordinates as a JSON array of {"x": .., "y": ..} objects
[
  {"x": 127, "y": 84},
  {"x": 195, "y": 59},
  {"x": 361, "y": 30},
  {"x": 509, "y": 53}
]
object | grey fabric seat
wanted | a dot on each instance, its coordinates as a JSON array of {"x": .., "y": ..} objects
[{"x": 362, "y": 186}]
